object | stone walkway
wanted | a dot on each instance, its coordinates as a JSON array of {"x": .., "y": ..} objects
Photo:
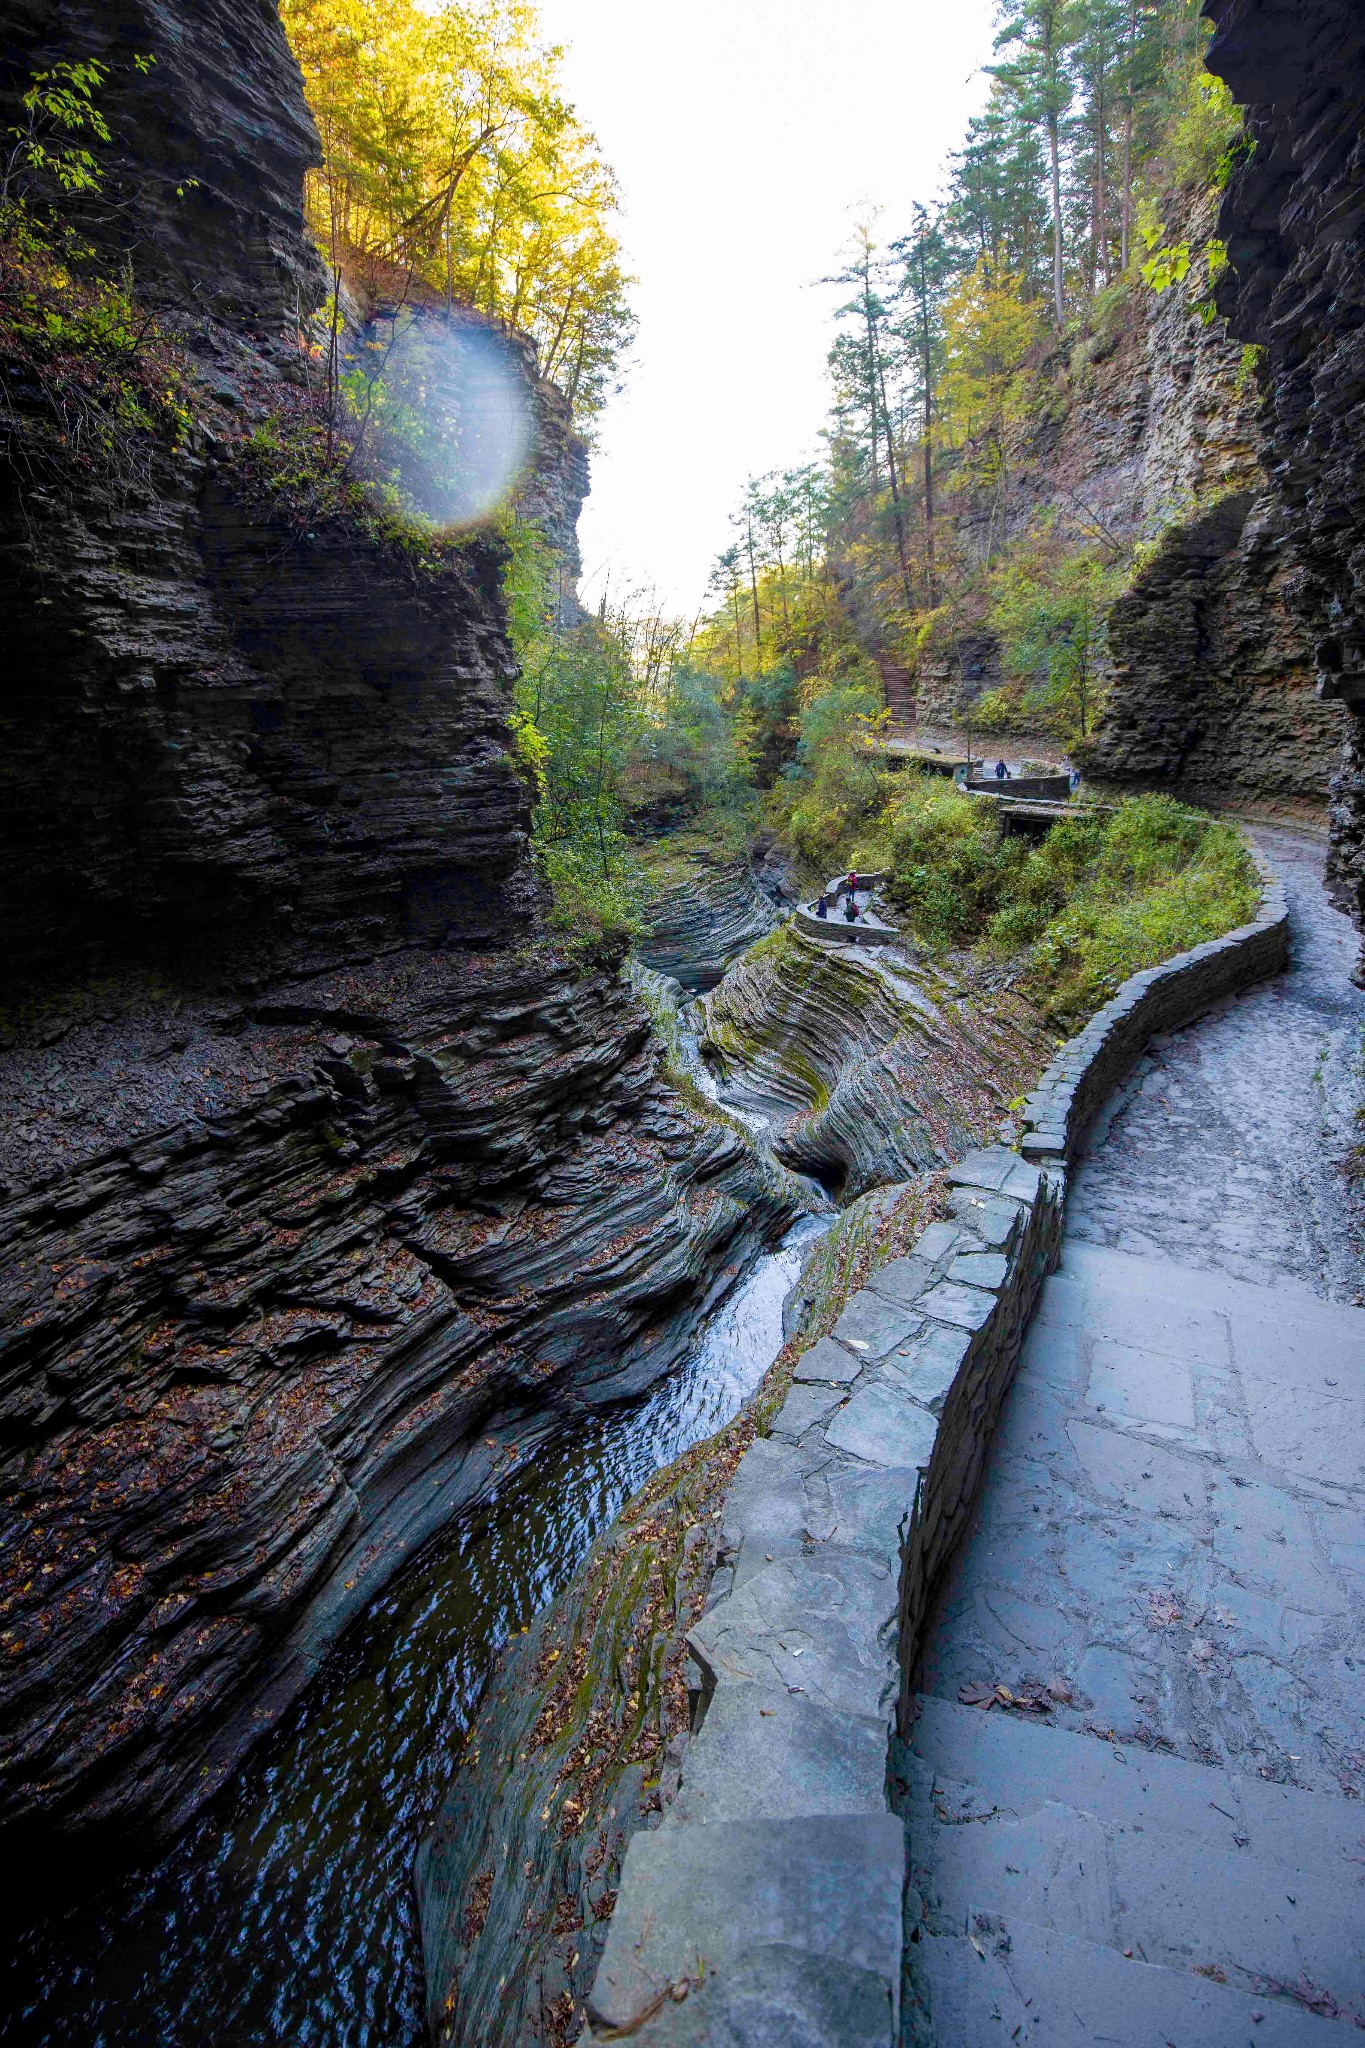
[{"x": 1156, "y": 1835}]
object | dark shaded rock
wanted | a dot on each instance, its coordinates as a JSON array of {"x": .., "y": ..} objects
[
  {"x": 1152, "y": 439},
  {"x": 233, "y": 748},
  {"x": 254, "y": 1355},
  {"x": 1294, "y": 219},
  {"x": 704, "y": 909},
  {"x": 311, "y": 1217},
  {"x": 204, "y": 188}
]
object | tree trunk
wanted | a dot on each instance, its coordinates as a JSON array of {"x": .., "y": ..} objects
[
  {"x": 897, "y": 507},
  {"x": 1054, "y": 147},
  {"x": 926, "y": 378},
  {"x": 1126, "y": 222},
  {"x": 753, "y": 588}
]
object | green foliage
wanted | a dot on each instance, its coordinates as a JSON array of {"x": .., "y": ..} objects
[
  {"x": 452, "y": 157},
  {"x": 836, "y": 783},
  {"x": 1049, "y": 612},
  {"x": 294, "y": 469},
  {"x": 1208, "y": 138},
  {"x": 1100, "y": 897},
  {"x": 1249, "y": 362},
  {"x": 1166, "y": 263},
  {"x": 575, "y": 714},
  {"x": 49, "y": 149},
  {"x": 594, "y": 903},
  {"x": 111, "y": 384},
  {"x": 949, "y": 861}
]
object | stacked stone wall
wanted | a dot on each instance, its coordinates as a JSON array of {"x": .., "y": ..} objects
[{"x": 775, "y": 1885}]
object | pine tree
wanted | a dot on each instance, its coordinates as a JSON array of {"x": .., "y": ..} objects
[{"x": 1039, "y": 35}]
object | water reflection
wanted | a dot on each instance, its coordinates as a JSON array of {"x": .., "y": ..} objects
[{"x": 284, "y": 1914}]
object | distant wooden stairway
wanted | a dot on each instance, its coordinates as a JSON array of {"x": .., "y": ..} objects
[{"x": 898, "y": 685}]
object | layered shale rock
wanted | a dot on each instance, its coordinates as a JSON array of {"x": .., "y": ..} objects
[
  {"x": 1294, "y": 222},
  {"x": 323, "y": 1183},
  {"x": 703, "y": 910},
  {"x": 580, "y": 1736},
  {"x": 1211, "y": 687},
  {"x": 872, "y": 1068},
  {"x": 281, "y": 1287},
  {"x": 1153, "y": 439}
]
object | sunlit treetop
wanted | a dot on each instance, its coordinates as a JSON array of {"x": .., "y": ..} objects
[{"x": 454, "y": 167}]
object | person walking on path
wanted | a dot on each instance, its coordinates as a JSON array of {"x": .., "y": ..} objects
[
  {"x": 822, "y": 907},
  {"x": 1002, "y": 773}
]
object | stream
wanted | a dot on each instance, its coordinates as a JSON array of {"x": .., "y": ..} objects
[{"x": 285, "y": 1913}]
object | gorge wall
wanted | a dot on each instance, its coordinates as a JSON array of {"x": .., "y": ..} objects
[
  {"x": 1150, "y": 438},
  {"x": 1293, "y": 219},
  {"x": 327, "y": 1185}
]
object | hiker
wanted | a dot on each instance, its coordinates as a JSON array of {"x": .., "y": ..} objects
[
  {"x": 851, "y": 911},
  {"x": 822, "y": 908},
  {"x": 852, "y": 885},
  {"x": 1002, "y": 773}
]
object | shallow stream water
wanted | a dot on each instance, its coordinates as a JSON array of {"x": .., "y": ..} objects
[{"x": 284, "y": 1914}]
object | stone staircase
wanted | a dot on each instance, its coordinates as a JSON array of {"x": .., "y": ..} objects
[{"x": 1068, "y": 1890}]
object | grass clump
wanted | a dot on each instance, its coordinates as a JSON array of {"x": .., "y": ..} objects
[{"x": 1104, "y": 895}]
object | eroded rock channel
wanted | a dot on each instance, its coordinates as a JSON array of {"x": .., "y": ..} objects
[{"x": 289, "y": 1897}]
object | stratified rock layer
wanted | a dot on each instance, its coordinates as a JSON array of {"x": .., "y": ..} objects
[
  {"x": 1153, "y": 439},
  {"x": 703, "y": 909},
  {"x": 320, "y": 1180},
  {"x": 331, "y": 1256},
  {"x": 1294, "y": 221},
  {"x": 873, "y": 1069}
]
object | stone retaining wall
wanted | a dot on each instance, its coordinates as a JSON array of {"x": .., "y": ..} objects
[
  {"x": 1052, "y": 788},
  {"x": 774, "y": 1884},
  {"x": 835, "y": 930},
  {"x": 768, "y": 1903},
  {"x": 1093, "y": 1063}
]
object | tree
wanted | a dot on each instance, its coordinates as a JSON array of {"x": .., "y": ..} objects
[
  {"x": 453, "y": 168},
  {"x": 1051, "y": 617},
  {"x": 865, "y": 363},
  {"x": 1039, "y": 34},
  {"x": 928, "y": 269}
]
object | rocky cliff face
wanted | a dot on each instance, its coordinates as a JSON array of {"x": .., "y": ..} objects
[
  {"x": 870, "y": 1071},
  {"x": 324, "y": 1181},
  {"x": 284, "y": 1285},
  {"x": 1293, "y": 219},
  {"x": 1153, "y": 439}
]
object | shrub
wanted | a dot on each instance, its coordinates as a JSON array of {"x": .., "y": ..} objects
[
  {"x": 949, "y": 861},
  {"x": 836, "y": 784},
  {"x": 1100, "y": 897}
]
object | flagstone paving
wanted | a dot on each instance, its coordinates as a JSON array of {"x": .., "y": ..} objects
[{"x": 1135, "y": 1794}]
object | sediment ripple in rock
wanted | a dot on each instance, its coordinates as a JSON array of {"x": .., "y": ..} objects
[
  {"x": 703, "y": 911},
  {"x": 873, "y": 1067}
]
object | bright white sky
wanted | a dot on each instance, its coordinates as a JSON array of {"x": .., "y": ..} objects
[{"x": 748, "y": 137}]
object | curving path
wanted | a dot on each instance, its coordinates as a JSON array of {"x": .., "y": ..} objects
[{"x": 1136, "y": 1798}]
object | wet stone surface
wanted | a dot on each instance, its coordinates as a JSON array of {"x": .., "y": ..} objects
[
  {"x": 1227, "y": 1148},
  {"x": 1170, "y": 1557}
]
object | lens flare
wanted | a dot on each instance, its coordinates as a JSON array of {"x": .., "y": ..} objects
[{"x": 443, "y": 413}]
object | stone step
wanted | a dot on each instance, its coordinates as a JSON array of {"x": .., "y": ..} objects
[
  {"x": 1018, "y": 1765},
  {"x": 765, "y": 1753},
  {"x": 1034, "y": 1824},
  {"x": 1008, "y": 1981},
  {"x": 1138, "y": 1889}
]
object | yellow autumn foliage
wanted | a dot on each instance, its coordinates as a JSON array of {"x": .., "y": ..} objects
[{"x": 453, "y": 167}]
